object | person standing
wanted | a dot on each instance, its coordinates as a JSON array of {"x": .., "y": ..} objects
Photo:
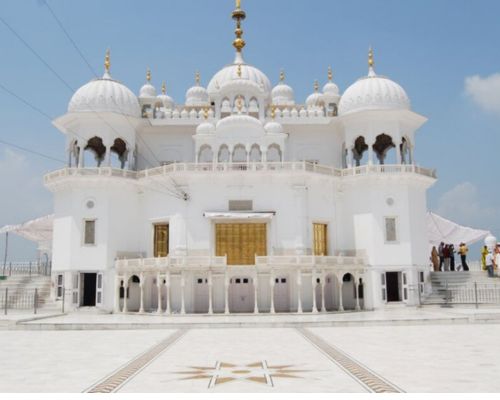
[
  {"x": 446, "y": 256},
  {"x": 452, "y": 257},
  {"x": 441, "y": 256},
  {"x": 484, "y": 253},
  {"x": 463, "y": 250},
  {"x": 490, "y": 263},
  {"x": 435, "y": 259}
]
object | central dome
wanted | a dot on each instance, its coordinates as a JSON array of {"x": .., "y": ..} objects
[{"x": 241, "y": 74}]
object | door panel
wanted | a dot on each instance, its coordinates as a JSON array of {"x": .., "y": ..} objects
[{"x": 241, "y": 242}]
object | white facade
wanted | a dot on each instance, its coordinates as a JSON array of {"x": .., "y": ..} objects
[{"x": 239, "y": 153}]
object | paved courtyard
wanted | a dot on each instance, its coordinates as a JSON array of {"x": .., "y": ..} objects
[{"x": 392, "y": 358}]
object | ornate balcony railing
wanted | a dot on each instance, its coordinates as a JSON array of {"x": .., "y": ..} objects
[
  {"x": 310, "y": 261},
  {"x": 241, "y": 167}
]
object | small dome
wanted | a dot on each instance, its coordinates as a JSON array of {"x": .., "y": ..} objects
[
  {"x": 165, "y": 99},
  {"x": 282, "y": 94},
  {"x": 273, "y": 127},
  {"x": 205, "y": 128},
  {"x": 105, "y": 95},
  {"x": 316, "y": 98},
  {"x": 197, "y": 96},
  {"x": 239, "y": 73},
  {"x": 330, "y": 89},
  {"x": 373, "y": 92},
  {"x": 147, "y": 91}
]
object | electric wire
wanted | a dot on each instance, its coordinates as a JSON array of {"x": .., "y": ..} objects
[{"x": 31, "y": 151}]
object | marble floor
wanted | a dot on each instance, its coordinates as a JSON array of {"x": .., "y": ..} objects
[{"x": 413, "y": 358}]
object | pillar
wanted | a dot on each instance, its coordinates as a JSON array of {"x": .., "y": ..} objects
[
  {"x": 370, "y": 154},
  {"x": 226, "y": 294},
  {"x": 141, "y": 285},
  {"x": 398, "y": 154},
  {"x": 349, "y": 156},
  {"x": 247, "y": 149},
  {"x": 158, "y": 285},
  {"x": 271, "y": 281},
  {"x": 341, "y": 284},
  {"x": 356, "y": 287},
  {"x": 117, "y": 294},
  {"x": 125, "y": 290},
  {"x": 210, "y": 286},
  {"x": 256, "y": 294},
  {"x": 322, "y": 306},
  {"x": 183, "y": 300},
  {"x": 81, "y": 163},
  {"x": 313, "y": 280},
  {"x": 299, "y": 291},
  {"x": 263, "y": 155},
  {"x": 167, "y": 285}
]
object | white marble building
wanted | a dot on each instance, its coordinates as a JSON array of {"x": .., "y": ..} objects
[{"x": 241, "y": 199}]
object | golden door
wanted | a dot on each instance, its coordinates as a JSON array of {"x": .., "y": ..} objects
[
  {"x": 161, "y": 240},
  {"x": 241, "y": 242},
  {"x": 320, "y": 240}
]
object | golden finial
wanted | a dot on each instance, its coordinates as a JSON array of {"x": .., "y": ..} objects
[
  {"x": 316, "y": 86},
  {"x": 239, "y": 104},
  {"x": 238, "y": 70},
  {"x": 163, "y": 88},
  {"x": 273, "y": 111},
  {"x": 205, "y": 112},
  {"x": 197, "y": 77},
  {"x": 330, "y": 74},
  {"x": 371, "y": 62},
  {"x": 282, "y": 75},
  {"x": 107, "y": 61},
  {"x": 148, "y": 75},
  {"x": 238, "y": 15}
]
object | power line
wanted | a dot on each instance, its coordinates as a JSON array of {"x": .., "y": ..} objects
[
  {"x": 31, "y": 151},
  {"x": 69, "y": 38}
]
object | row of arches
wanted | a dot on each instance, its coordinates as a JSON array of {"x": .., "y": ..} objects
[
  {"x": 383, "y": 148},
  {"x": 240, "y": 153},
  {"x": 96, "y": 153}
]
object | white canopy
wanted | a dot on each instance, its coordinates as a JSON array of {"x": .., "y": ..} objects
[
  {"x": 440, "y": 229},
  {"x": 38, "y": 230}
]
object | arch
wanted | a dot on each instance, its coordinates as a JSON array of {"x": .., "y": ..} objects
[
  {"x": 206, "y": 154},
  {"x": 153, "y": 297},
  {"x": 383, "y": 144},
  {"x": 96, "y": 147},
  {"x": 239, "y": 154},
  {"x": 348, "y": 292},
  {"x": 134, "y": 294},
  {"x": 359, "y": 150},
  {"x": 331, "y": 292},
  {"x": 224, "y": 154},
  {"x": 225, "y": 105},
  {"x": 119, "y": 149},
  {"x": 255, "y": 153},
  {"x": 404, "y": 148},
  {"x": 274, "y": 153},
  {"x": 253, "y": 105}
]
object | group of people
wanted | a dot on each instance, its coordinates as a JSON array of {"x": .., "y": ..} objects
[
  {"x": 490, "y": 260},
  {"x": 443, "y": 258}
]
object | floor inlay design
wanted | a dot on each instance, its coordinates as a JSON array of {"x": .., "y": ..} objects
[
  {"x": 366, "y": 377},
  {"x": 118, "y": 378},
  {"x": 259, "y": 372}
]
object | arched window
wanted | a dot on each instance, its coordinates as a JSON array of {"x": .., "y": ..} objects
[
  {"x": 358, "y": 150},
  {"x": 255, "y": 153},
  {"x": 206, "y": 155},
  {"x": 274, "y": 153},
  {"x": 239, "y": 154},
  {"x": 97, "y": 149},
  {"x": 223, "y": 155},
  {"x": 118, "y": 153},
  {"x": 383, "y": 145}
]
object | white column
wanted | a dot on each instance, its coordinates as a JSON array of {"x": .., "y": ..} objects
[
  {"x": 356, "y": 287},
  {"x": 341, "y": 283},
  {"x": 167, "y": 285},
  {"x": 263, "y": 155},
  {"x": 247, "y": 149},
  {"x": 299, "y": 291},
  {"x": 271, "y": 281},
  {"x": 231, "y": 149},
  {"x": 183, "y": 300},
  {"x": 256, "y": 293},
  {"x": 141, "y": 285},
  {"x": 323, "y": 308},
  {"x": 81, "y": 163},
  {"x": 158, "y": 285},
  {"x": 226, "y": 294},
  {"x": 349, "y": 157},
  {"x": 398, "y": 154},
  {"x": 210, "y": 286},
  {"x": 370, "y": 154},
  {"x": 117, "y": 294},
  {"x": 125, "y": 290},
  {"x": 313, "y": 280}
]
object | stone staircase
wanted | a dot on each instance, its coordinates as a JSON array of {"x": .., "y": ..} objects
[
  {"x": 441, "y": 280},
  {"x": 21, "y": 291}
]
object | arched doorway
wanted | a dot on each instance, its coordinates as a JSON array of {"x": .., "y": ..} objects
[
  {"x": 96, "y": 149},
  {"x": 348, "y": 292},
  {"x": 359, "y": 151},
  {"x": 331, "y": 293},
  {"x": 382, "y": 146},
  {"x": 118, "y": 154},
  {"x": 134, "y": 294}
]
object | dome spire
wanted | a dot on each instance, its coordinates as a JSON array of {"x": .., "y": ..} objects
[
  {"x": 238, "y": 15},
  {"x": 107, "y": 63},
  {"x": 371, "y": 63},
  {"x": 330, "y": 74},
  {"x": 316, "y": 86},
  {"x": 148, "y": 75},
  {"x": 197, "y": 78},
  {"x": 163, "y": 88},
  {"x": 282, "y": 75}
]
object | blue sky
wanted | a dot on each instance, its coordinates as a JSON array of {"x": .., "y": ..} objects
[{"x": 444, "y": 53}]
